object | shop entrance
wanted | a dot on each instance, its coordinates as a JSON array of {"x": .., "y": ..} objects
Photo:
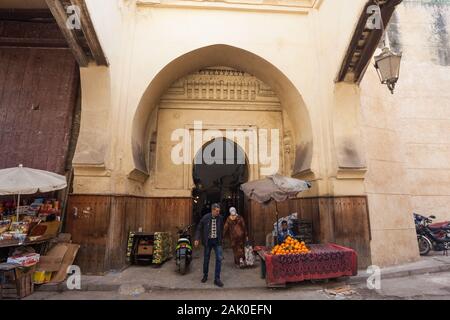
[{"x": 219, "y": 169}]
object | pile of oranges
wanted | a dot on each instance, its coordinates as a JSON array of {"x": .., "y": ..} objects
[{"x": 290, "y": 246}]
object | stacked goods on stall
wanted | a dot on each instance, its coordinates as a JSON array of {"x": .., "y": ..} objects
[
  {"x": 290, "y": 246},
  {"x": 40, "y": 218},
  {"x": 7, "y": 208},
  {"x": 42, "y": 208},
  {"x": 47, "y": 210},
  {"x": 4, "y": 225},
  {"x": 30, "y": 228},
  {"x": 162, "y": 249},
  {"x": 303, "y": 230},
  {"x": 15, "y": 231},
  {"x": 130, "y": 245}
]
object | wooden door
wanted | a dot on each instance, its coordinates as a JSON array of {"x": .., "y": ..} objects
[
  {"x": 88, "y": 220},
  {"x": 38, "y": 95}
]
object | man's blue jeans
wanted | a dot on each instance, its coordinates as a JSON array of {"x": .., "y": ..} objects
[{"x": 212, "y": 244}]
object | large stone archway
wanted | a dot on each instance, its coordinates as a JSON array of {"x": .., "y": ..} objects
[
  {"x": 217, "y": 102},
  {"x": 239, "y": 59},
  {"x": 212, "y": 103}
]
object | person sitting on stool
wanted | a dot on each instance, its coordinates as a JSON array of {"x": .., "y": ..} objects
[{"x": 284, "y": 232}]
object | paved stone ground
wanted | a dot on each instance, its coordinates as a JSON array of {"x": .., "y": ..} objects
[
  {"x": 424, "y": 279},
  {"x": 167, "y": 277},
  {"x": 423, "y": 287},
  {"x": 434, "y": 262}
]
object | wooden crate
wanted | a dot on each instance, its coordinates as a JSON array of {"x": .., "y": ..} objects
[
  {"x": 25, "y": 283},
  {"x": 18, "y": 284}
]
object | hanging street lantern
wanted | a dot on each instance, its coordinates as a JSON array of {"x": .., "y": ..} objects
[{"x": 387, "y": 65}]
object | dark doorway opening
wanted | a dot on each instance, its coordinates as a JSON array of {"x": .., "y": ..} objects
[{"x": 219, "y": 169}]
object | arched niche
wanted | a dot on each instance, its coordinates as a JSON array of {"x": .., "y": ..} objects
[{"x": 236, "y": 58}]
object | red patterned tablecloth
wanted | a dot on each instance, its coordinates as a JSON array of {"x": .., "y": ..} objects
[{"x": 324, "y": 261}]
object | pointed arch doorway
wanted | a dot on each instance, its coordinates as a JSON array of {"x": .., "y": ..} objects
[{"x": 219, "y": 169}]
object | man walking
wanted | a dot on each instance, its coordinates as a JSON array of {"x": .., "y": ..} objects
[{"x": 210, "y": 230}]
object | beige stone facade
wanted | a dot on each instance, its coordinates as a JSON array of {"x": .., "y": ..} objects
[
  {"x": 221, "y": 99},
  {"x": 407, "y": 135},
  {"x": 292, "y": 51},
  {"x": 119, "y": 100},
  {"x": 272, "y": 64}
]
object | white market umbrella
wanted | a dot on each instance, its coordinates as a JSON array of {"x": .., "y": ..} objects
[
  {"x": 275, "y": 187},
  {"x": 21, "y": 180}
]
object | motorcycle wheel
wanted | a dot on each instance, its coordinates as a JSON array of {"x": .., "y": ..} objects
[
  {"x": 424, "y": 245},
  {"x": 182, "y": 266}
]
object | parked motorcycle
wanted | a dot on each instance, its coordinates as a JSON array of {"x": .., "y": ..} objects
[
  {"x": 183, "y": 251},
  {"x": 432, "y": 236}
]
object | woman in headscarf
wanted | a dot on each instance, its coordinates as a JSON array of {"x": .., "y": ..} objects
[{"x": 235, "y": 228}]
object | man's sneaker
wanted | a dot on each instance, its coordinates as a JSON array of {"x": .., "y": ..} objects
[
  {"x": 204, "y": 279},
  {"x": 218, "y": 283}
]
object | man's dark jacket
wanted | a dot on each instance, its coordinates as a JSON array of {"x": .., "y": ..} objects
[{"x": 204, "y": 227}]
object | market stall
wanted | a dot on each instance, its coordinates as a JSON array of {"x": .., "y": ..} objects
[
  {"x": 314, "y": 262},
  {"x": 294, "y": 258},
  {"x": 30, "y": 220},
  {"x": 30, "y": 244},
  {"x": 275, "y": 188},
  {"x": 37, "y": 220}
]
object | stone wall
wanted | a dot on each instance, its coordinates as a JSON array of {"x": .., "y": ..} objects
[{"x": 407, "y": 135}]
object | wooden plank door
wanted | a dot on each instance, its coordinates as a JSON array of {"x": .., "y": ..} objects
[{"x": 88, "y": 220}]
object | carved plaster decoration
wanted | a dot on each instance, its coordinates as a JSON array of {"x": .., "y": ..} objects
[
  {"x": 289, "y": 154},
  {"x": 221, "y": 84},
  {"x": 287, "y": 139}
]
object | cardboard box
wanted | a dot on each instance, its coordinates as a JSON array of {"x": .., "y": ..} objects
[
  {"x": 146, "y": 250},
  {"x": 49, "y": 264},
  {"x": 54, "y": 258},
  {"x": 26, "y": 260},
  {"x": 53, "y": 266},
  {"x": 69, "y": 258}
]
